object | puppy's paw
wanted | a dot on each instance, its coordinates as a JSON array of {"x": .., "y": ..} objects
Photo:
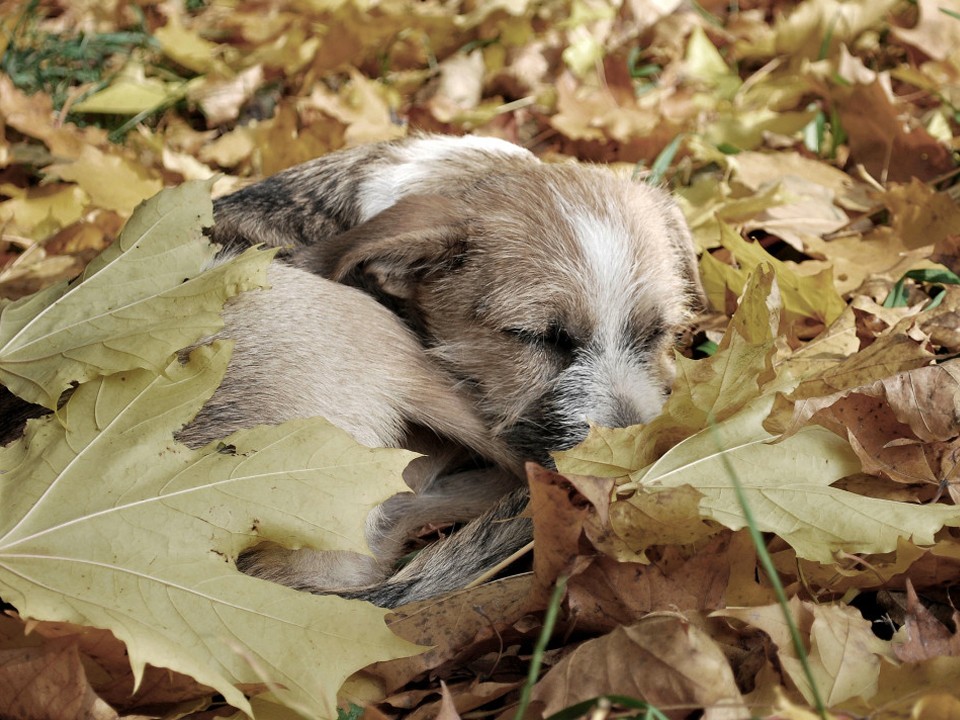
[{"x": 316, "y": 571}]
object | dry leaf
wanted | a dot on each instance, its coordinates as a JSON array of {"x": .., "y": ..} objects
[
  {"x": 922, "y": 636},
  {"x": 48, "y": 682},
  {"x": 662, "y": 659}
]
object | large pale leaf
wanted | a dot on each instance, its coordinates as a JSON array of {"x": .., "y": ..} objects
[
  {"x": 106, "y": 521},
  {"x": 787, "y": 486},
  {"x": 137, "y": 303}
]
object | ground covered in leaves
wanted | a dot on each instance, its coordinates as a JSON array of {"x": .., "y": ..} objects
[{"x": 813, "y": 147}]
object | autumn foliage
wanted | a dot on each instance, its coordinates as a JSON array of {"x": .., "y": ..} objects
[{"x": 812, "y": 146}]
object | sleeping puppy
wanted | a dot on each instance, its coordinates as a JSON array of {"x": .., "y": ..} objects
[
  {"x": 552, "y": 293},
  {"x": 543, "y": 298}
]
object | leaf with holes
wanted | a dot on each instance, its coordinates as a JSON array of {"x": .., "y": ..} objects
[
  {"x": 137, "y": 303},
  {"x": 106, "y": 521}
]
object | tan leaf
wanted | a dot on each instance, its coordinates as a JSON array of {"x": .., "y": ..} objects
[
  {"x": 187, "y": 48},
  {"x": 810, "y": 212},
  {"x": 608, "y": 593},
  {"x": 48, "y": 683},
  {"x": 559, "y": 513},
  {"x": 844, "y": 654},
  {"x": 923, "y": 636},
  {"x": 901, "y": 349},
  {"x": 450, "y": 625},
  {"x": 936, "y": 34},
  {"x": 34, "y": 117},
  {"x": 221, "y": 99},
  {"x": 805, "y": 297},
  {"x": 112, "y": 180},
  {"x": 755, "y": 169},
  {"x": 942, "y": 706},
  {"x": 670, "y": 516},
  {"x": 38, "y": 212},
  {"x": 902, "y": 687},
  {"x": 662, "y": 659},
  {"x": 448, "y": 707},
  {"x": 107, "y": 663},
  {"x": 363, "y": 106},
  {"x": 881, "y": 142},
  {"x": 946, "y": 251},
  {"x": 921, "y": 216}
]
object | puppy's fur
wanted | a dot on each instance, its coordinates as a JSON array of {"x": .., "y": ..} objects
[
  {"x": 310, "y": 347},
  {"x": 549, "y": 294}
]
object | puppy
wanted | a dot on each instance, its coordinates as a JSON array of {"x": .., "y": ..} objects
[
  {"x": 458, "y": 297},
  {"x": 549, "y": 294}
]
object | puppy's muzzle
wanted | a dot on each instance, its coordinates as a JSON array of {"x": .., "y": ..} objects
[{"x": 563, "y": 418}]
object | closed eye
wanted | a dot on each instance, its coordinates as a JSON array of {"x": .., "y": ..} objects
[
  {"x": 555, "y": 337},
  {"x": 652, "y": 336}
]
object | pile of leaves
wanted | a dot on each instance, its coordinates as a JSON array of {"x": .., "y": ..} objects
[{"x": 812, "y": 146}]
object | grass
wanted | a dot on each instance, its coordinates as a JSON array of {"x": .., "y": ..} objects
[
  {"x": 39, "y": 61},
  {"x": 68, "y": 67}
]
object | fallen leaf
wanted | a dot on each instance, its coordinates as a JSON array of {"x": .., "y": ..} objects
[
  {"x": 942, "y": 706},
  {"x": 180, "y": 603},
  {"x": 363, "y": 106},
  {"x": 843, "y": 653},
  {"x": 922, "y": 636},
  {"x": 800, "y": 33},
  {"x": 804, "y": 297},
  {"x": 138, "y": 303},
  {"x": 129, "y": 93},
  {"x": 470, "y": 619},
  {"x": 936, "y": 34},
  {"x": 187, "y": 48},
  {"x": 662, "y": 659},
  {"x": 221, "y": 99},
  {"x": 757, "y": 169},
  {"x": 112, "y": 181},
  {"x": 921, "y": 216},
  {"x": 106, "y": 664},
  {"x": 787, "y": 486},
  {"x": 608, "y": 593},
  {"x": 882, "y": 142},
  {"x": 32, "y": 115},
  {"x": 559, "y": 514},
  {"x": 48, "y": 682},
  {"x": 40, "y": 211},
  {"x": 810, "y": 212}
]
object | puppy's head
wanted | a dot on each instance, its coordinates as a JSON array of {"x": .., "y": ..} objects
[{"x": 553, "y": 293}]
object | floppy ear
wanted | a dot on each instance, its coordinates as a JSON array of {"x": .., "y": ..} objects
[{"x": 394, "y": 250}]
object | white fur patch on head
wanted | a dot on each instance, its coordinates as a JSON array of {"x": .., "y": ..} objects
[
  {"x": 622, "y": 269},
  {"x": 417, "y": 160},
  {"x": 612, "y": 281}
]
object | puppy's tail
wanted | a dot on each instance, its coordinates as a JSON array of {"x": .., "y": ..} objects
[{"x": 455, "y": 562}]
